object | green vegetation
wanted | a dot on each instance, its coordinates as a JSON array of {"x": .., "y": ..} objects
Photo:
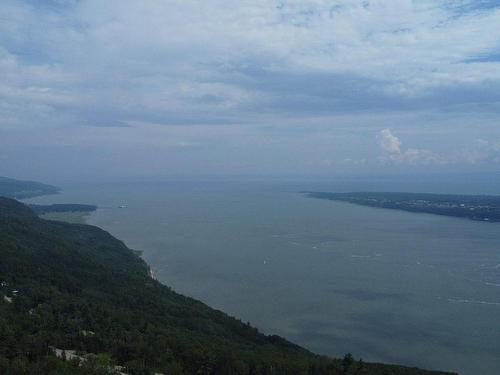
[
  {"x": 41, "y": 209},
  {"x": 70, "y": 213},
  {"x": 17, "y": 189},
  {"x": 77, "y": 217},
  {"x": 474, "y": 207},
  {"x": 75, "y": 287}
]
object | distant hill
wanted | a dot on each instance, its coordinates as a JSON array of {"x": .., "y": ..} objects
[
  {"x": 77, "y": 291},
  {"x": 19, "y": 189}
]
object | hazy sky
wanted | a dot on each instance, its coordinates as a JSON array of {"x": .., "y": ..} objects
[{"x": 97, "y": 88}]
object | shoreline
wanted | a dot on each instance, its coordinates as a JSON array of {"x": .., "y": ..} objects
[{"x": 72, "y": 217}]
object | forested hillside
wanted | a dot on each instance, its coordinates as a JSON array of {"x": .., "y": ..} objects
[
  {"x": 75, "y": 287},
  {"x": 18, "y": 189}
]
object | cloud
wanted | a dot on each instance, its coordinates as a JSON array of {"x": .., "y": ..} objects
[
  {"x": 388, "y": 142},
  {"x": 481, "y": 151},
  {"x": 477, "y": 152},
  {"x": 310, "y": 78},
  {"x": 234, "y": 63},
  {"x": 390, "y": 146},
  {"x": 421, "y": 157}
]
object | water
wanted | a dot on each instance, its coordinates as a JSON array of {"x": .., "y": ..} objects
[{"x": 386, "y": 285}]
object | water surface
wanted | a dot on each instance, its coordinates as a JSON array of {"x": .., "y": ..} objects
[{"x": 386, "y": 285}]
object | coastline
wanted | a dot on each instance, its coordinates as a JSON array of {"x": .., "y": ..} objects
[
  {"x": 72, "y": 217},
  {"x": 127, "y": 225}
]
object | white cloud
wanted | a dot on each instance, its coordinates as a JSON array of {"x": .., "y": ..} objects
[
  {"x": 481, "y": 151},
  {"x": 421, "y": 157},
  {"x": 392, "y": 153},
  {"x": 293, "y": 70},
  {"x": 193, "y": 57},
  {"x": 389, "y": 142}
]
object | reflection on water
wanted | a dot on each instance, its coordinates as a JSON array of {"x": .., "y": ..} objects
[{"x": 385, "y": 285}]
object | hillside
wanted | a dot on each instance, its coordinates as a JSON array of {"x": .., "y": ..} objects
[
  {"x": 75, "y": 287},
  {"x": 18, "y": 189}
]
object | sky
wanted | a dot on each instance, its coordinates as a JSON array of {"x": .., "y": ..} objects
[{"x": 94, "y": 89}]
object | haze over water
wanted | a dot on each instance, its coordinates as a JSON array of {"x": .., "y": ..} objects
[{"x": 386, "y": 285}]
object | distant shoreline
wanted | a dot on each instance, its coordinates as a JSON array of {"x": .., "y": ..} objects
[
  {"x": 70, "y": 213},
  {"x": 19, "y": 189},
  {"x": 485, "y": 208},
  {"x": 72, "y": 217}
]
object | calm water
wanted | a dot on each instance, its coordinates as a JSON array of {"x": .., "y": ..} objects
[{"x": 387, "y": 286}]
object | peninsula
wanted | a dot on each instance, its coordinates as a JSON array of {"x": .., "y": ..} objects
[
  {"x": 20, "y": 189},
  {"x": 474, "y": 207}
]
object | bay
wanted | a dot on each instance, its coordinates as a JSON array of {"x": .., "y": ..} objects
[{"x": 385, "y": 285}]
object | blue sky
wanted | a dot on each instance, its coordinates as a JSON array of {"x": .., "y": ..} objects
[{"x": 312, "y": 87}]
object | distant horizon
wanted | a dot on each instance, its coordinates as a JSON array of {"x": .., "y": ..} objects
[
  {"x": 256, "y": 176},
  {"x": 451, "y": 183}
]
